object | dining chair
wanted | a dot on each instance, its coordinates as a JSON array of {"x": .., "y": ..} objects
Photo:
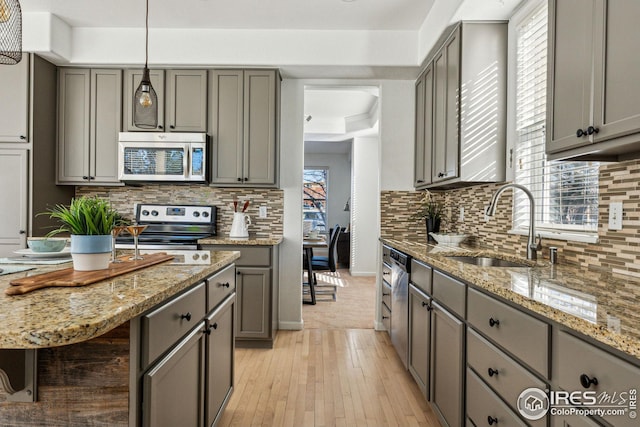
[{"x": 327, "y": 263}]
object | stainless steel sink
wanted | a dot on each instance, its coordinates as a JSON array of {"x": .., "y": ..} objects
[{"x": 483, "y": 261}]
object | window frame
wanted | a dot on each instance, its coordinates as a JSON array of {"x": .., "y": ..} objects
[
  {"x": 519, "y": 15},
  {"x": 325, "y": 213}
]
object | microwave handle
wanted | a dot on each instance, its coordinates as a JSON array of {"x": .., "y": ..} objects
[{"x": 187, "y": 162}]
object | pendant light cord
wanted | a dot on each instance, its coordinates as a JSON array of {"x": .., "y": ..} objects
[{"x": 146, "y": 38}]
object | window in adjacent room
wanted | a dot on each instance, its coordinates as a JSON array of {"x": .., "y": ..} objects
[
  {"x": 566, "y": 193},
  {"x": 314, "y": 199}
]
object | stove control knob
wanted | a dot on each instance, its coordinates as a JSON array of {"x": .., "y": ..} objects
[
  {"x": 154, "y": 213},
  {"x": 205, "y": 214},
  {"x": 196, "y": 257},
  {"x": 196, "y": 214},
  {"x": 205, "y": 256},
  {"x": 145, "y": 213}
]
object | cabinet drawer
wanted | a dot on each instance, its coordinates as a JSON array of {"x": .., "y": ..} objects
[
  {"x": 220, "y": 285},
  {"x": 421, "y": 276},
  {"x": 522, "y": 335},
  {"x": 164, "y": 326},
  {"x": 254, "y": 257},
  {"x": 449, "y": 292},
  {"x": 574, "y": 358},
  {"x": 483, "y": 404},
  {"x": 386, "y": 294},
  {"x": 386, "y": 274},
  {"x": 386, "y": 317},
  {"x": 511, "y": 378}
]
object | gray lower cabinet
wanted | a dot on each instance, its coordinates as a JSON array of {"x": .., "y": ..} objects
[
  {"x": 243, "y": 121},
  {"x": 484, "y": 407},
  {"x": 183, "y": 354},
  {"x": 257, "y": 294},
  {"x": 89, "y": 120},
  {"x": 419, "y": 337},
  {"x": 447, "y": 366},
  {"x": 173, "y": 390},
  {"x": 572, "y": 421}
]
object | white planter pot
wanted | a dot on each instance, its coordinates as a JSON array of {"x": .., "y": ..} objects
[{"x": 91, "y": 252}]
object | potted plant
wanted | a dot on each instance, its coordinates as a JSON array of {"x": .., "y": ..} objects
[
  {"x": 89, "y": 221},
  {"x": 432, "y": 212}
]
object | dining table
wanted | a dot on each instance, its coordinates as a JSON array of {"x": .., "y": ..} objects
[{"x": 308, "y": 244}]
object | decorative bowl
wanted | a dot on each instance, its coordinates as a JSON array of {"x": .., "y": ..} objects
[
  {"x": 450, "y": 239},
  {"x": 43, "y": 244}
]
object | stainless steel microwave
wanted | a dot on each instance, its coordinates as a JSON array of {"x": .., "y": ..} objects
[{"x": 156, "y": 156}]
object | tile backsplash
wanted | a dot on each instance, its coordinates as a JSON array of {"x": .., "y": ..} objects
[
  {"x": 615, "y": 251},
  {"x": 123, "y": 199}
]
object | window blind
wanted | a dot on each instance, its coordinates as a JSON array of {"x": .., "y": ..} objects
[{"x": 566, "y": 193}]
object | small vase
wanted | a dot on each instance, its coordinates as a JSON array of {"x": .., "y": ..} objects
[
  {"x": 91, "y": 252},
  {"x": 433, "y": 226}
]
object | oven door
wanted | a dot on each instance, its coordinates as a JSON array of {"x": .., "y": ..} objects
[{"x": 161, "y": 161}]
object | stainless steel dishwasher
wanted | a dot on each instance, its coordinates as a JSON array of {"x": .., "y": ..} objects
[{"x": 400, "y": 264}]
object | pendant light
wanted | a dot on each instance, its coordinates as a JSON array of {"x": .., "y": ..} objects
[
  {"x": 145, "y": 100},
  {"x": 10, "y": 32}
]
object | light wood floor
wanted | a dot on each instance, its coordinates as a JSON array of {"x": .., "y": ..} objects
[{"x": 326, "y": 377}]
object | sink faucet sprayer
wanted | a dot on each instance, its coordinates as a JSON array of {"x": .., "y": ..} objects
[{"x": 532, "y": 246}]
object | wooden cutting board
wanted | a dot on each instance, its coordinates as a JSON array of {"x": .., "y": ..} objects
[{"x": 70, "y": 277}]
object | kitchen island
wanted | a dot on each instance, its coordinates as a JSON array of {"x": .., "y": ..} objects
[{"x": 87, "y": 345}]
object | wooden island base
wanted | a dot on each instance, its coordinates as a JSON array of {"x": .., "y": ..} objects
[{"x": 78, "y": 385}]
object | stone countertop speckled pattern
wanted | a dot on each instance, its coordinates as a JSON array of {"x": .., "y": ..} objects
[
  {"x": 59, "y": 316},
  {"x": 250, "y": 241},
  {"x": 603, "y": 306}
]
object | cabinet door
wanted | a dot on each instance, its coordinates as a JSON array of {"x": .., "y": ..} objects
[
  {"x": 424, "y": 128},
  {"x": 173, "y": 390},
  {"x": 254, "y": 296},
  {"x": 73, "y": 125},
  {"x": 226, "y": 123},
  {"x": 131, "y": 81},
  {"x": 106, "y": 122},
  {"x": 616, "y": 106},
  {"x": 571, "y": 46},
  {"x": 14, "y": 108},
  {"x": 419, "y": 336},
  {"x": 13, "y": 193},
  {"x": 259, "y": 157},
  {"x": 220, "y": 349},
  {"x": 446, "y": 85},
  {"x": 447, "y": 366},
  {"x": 187, "y": 100}
]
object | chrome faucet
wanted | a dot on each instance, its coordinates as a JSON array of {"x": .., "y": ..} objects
[{"x": 532, "y": 246}]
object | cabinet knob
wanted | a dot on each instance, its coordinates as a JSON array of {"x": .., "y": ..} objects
[
  {"x": 186, "y": 316},
  {"x": 22, "y": 137},
  {"x": 160, "y": 127},
  {"x": 580, "y": 133},
  {"x": 441, "y": 174},
  {"x": 586, "y": 381},
  {"x": 22, "y": 232},
  {"x": 492, "y": 372},
  {"x": 246, "y": 179},
  {"x": 239, "y": 179},
  {"x": 214, "y": 326},
  {"x": 385, "y": 317},
  {"x": 238, "y": 273},
  {"x": 420, "y": 181},
  {"x": 493, "y": 322},
  {"x": 386, "y": 294},
  {"x": 424, "y": 304},
  {"x": 224, "y": 285},
  {"x": 85, "y": 177},
  {"x": 491, "y": 420},
  {"x": 172, "y": 127},
  {"x": 591, "y": 130}
]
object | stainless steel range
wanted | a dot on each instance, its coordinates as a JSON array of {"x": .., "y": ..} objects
[{"x": 171, "y": 227}]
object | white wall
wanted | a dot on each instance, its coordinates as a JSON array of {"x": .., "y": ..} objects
[
  {"x": 396, "y": 137},
  {"x": 339, "y": 180}
]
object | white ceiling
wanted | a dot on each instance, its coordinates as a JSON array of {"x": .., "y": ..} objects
[{"x": 240, "y": 14}]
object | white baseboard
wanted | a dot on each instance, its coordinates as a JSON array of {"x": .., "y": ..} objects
[
  {"x": 291, "y": 326},
  {"x": 362, "y": 273},
  {"x": 378, "y": 326}
]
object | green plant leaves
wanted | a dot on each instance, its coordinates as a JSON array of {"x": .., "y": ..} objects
[{"x": 85, "y": 216}]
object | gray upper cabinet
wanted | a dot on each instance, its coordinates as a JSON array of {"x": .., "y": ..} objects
[
  {"x": 14, "y": 115},
  {"x": 592, "y": 108},
  {"x": 131, "y": 81},
  {"x": 14, "y": 187},
  {"x": 465, "y": 87},
  {"x": 424, "y": 128},
  {"x": 186, "y": 100},
  {"x": 89, "y": 119},
  {"x": 243, "y": 125}
]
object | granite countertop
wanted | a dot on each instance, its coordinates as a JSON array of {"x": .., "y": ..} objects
[
  {"x": 252, "y": 240},
  {"x": 605, "y": 307},
  {"x": 58, "y": 316}
]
